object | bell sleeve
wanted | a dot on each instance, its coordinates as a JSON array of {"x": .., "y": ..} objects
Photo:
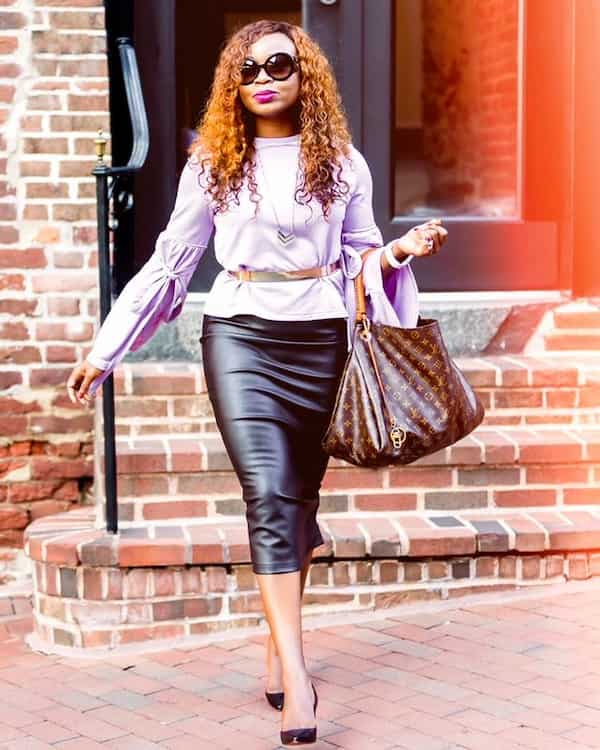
[
  {"x": 393, "y": 300},
  {"x": 156, "y": 293}
]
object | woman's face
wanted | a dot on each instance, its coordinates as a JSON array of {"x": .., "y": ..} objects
[{"x": 285, "y": 92}]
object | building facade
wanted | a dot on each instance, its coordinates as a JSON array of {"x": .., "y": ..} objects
[{"x": 482, "y": 112}]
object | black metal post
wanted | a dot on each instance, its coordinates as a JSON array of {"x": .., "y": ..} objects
[{"x": 102, "y": 172}]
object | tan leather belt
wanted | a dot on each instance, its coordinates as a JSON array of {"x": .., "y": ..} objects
[{"x": 246, "y": 274}]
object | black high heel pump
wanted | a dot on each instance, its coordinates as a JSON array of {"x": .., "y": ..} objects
[
  {"x": 301, "y": 736},
  {"x": 276, "y": 700}
]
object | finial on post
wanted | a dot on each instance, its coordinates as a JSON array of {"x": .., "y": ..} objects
[{"x": 100, "y": 144}]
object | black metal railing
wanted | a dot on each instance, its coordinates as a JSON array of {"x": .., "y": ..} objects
[{"x": 106, "y": 180}]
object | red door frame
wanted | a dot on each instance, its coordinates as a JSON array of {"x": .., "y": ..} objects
[{"x": 586, "y": 133}]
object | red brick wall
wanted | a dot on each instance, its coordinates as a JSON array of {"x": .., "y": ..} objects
[{"x": 53, "y": 99}]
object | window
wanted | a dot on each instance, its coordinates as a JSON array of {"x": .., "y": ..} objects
[{"x": 455, "y": 135}]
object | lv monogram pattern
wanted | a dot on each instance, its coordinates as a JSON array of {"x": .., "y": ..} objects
[{"x": 400, "y": 397}]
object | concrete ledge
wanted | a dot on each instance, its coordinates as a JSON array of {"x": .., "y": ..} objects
[{"x": 71, "y": 539}]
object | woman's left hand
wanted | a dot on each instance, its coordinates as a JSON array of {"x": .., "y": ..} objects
[{"x": 423, "y": 239}]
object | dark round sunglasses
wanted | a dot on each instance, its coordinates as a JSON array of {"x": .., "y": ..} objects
[{"x": 278, "y": 66}]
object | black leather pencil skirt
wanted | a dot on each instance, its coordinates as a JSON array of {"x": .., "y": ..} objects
[{"x": 272, "y": 385}]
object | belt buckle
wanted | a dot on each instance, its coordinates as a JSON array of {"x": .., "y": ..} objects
[{"x": 240, "y": 273}]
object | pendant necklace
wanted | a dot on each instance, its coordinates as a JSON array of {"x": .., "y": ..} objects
[{"x": 284, "y": 237}]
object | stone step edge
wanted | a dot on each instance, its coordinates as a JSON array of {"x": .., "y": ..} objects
[
  {"x": 71, "y": 539},
  {"x": 575, "y": 332},
  {"x": 517, "y": 417},
  {"x": 502, "y": 417},
  {"x": 205, "y": 451},
  {"x": 499, "y": 370},
  {"x": 590, "y": 378}
]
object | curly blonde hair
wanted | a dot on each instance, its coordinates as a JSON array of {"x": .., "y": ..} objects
[{"x": 225, "y": 133}]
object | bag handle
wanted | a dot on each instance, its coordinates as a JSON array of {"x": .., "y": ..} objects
[
  {"x": 395, "y": 431},
  {"x": 359, "y": 288}
]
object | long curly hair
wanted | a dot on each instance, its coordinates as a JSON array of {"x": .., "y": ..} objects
[{"x": 224, "y": 136}]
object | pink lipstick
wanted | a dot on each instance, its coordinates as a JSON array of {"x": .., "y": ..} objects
[{"x": 265, "y": 97}]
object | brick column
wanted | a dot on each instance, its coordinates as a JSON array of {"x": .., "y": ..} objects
[{"x": 53, "y": 98}]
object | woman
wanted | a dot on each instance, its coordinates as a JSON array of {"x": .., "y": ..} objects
[{"x": 275, "y": 174}]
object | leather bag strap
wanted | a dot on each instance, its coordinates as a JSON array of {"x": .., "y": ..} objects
[
  {"x": 359, "y": 287},
  {"x": 396, "y": 433}
]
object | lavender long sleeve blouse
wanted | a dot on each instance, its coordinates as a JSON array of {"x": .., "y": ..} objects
[{"x": 156, "y": 293}]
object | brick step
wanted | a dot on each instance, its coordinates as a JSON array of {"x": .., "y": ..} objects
[
  {"x": 518, "y": 417},
  {"x": 577, "y": 313},
  {"x": 573, "y": 340},
  {"x": 67, "y": 539},
  {"x": 166, "y": 477},
  {"x": 505, "y": 417},
  {"x": 151, "y": 582},
  {"x": 515, "y": 390},
  {"x": 587, "y": 318}
]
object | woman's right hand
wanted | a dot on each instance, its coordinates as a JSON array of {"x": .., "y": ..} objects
[
  {"x": 80, "y": 380},
  {"x": 413, "y": 242}
]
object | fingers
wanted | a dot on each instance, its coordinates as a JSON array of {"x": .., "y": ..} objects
[
  {"x": 78, "y": 384},
  {"x": 424, "y": 239},
  {"x": 83, "y": 395},
  {"x": 435, "y": 235},
  {"x": 73, "y": 383}
]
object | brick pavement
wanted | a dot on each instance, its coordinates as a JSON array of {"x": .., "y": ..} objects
[{"x": 496, "y": 673}]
